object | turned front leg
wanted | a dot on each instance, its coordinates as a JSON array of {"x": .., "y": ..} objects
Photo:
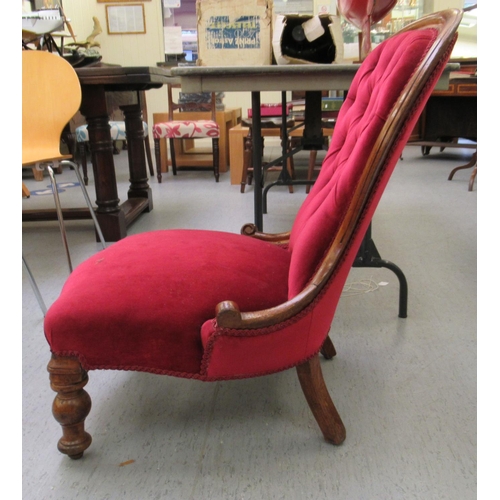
[{"x": 71, "y": 405}]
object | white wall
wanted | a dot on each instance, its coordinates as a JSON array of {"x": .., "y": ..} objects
[
  {"x": 466, "y": 45},
  {"x": 126, "y": 50},
  {"x": 438, "y": 5}
]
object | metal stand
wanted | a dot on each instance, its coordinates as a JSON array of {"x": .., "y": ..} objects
[
  {"x": 312, "y": 140},
  {"x": 368, "y": 256},
  {"x": 57, "y": 202}
]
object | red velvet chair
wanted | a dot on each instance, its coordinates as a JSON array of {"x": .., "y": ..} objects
[{"x": 269, "y": 304}]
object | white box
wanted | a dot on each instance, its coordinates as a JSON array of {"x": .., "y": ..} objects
[
  {"x": 234, "y": 32},
  {"x": 306, "y": 39}
]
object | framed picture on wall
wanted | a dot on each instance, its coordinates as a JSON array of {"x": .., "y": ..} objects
[{"x": 125, "y": 19}]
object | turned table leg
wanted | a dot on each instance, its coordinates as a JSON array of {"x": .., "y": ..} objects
[{"x": 71, "y": 404}]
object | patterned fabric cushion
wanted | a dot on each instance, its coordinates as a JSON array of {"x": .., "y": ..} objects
[
  {"x": 186, "y": 129},
  {"x": 117, "y": 131}
]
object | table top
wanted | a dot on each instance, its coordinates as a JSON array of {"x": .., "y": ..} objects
[
  {"x": 302, "y": 77},
  {"x": 124, "y": 78},
  {"x": 262, "y": 78}
]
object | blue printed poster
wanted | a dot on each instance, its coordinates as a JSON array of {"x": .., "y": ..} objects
[{"x": 240, "y": 33}]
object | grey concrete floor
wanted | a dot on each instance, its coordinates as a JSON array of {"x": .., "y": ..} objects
[{"x": 405, "y": 388}]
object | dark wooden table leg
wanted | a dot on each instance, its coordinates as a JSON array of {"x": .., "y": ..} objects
[
  {"x": 470, "y": 164},
  {"x": 139, "y": 187},
  {"x": 109, "y": 214},
  {"x": 313, "y": 131},
  {"x": 257, "y": 160}
]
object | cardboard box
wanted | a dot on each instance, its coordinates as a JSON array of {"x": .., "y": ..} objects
[
  {"x": 306, "y": 39},
  {"x": 234, "y": 32}
]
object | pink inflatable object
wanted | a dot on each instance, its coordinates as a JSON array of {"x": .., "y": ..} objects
[{"x": 363, "y": 14}]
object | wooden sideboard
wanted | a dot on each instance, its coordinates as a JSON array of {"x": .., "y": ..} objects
[{"x": 450, "y": 113}]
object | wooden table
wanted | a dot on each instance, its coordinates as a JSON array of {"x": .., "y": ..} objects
[
  {"x": 96, "y": 82},
  {"x": 311, "y": 78}
]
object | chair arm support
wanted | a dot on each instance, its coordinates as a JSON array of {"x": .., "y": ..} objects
[
  {"x": 277, "y": 238},
  {"x": 228, "y": 314},
  {"x": 262, "y": 342}
]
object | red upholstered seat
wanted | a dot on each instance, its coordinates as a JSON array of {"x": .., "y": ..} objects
[
  {"x": 155, "y": 326},
  {"x": 166, "y": 302}
]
